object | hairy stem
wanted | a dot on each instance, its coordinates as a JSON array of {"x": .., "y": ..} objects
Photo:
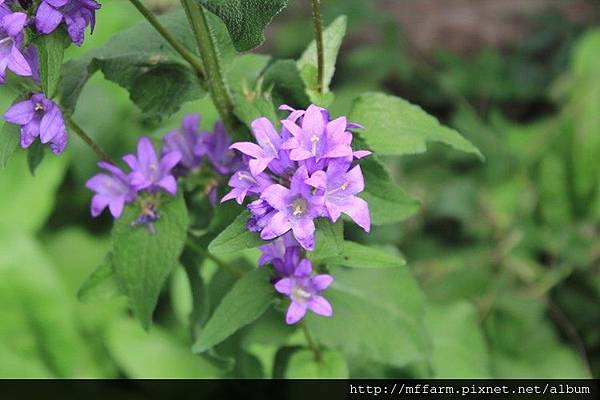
[
  {"x": 215, "y": 80},
  {"x": 206, "y": 254},
  {"x": 88, "y": 140},
  {"x": 187, "y": 55},
  {"x": 318, "y": 23},
  {"x": 311, "y": 343}
]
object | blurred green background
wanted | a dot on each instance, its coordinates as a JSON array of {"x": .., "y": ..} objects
[{"x": 507, "y": 251}]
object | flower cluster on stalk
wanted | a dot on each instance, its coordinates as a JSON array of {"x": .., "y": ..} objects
[
  {"x": 38, "y": 116},
  {"x": 304, "y": 172}
]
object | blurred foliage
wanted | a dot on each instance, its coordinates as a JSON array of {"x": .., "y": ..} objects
[{"x": 507, "y": 251}]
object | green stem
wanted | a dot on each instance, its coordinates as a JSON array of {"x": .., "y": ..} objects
[
  {"x": 187, "y": 55},
  {"x": 88, "y": 140},
  {"x": 318, "y": 24},
  {"x": 311, "y": 343},
  {"x": 208, "y": 52},
  {"x": 206, "y": 254}
]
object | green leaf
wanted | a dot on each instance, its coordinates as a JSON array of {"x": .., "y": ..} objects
[
  {"x": 329, "y": 240},
  {"x": 356, "y": 255},
  {"x": 28, "y": 201},
  {"x": 247, "y": 300},
  {"x": 459, "y": 349},
  {"x": 245, "y": 19},
  {"x": 307, "y": 64},
  {"x": 394, "y": 126},
  {"x": 387, "y": 202},
  {"x": 235, "y": 237},
  {"x": 155, "y": 355},
  {"x": 158, "y": 79},
  {"x": 51, "y": 49},
  {"x": 143, "y": 260},
  {"x": 9, "y": 141},
  {"x": 378, "y": 316},
  {"x": 35, "y": 155},
  {"x": 102, "y": 284},
  {"x": 302, "y": 365}
]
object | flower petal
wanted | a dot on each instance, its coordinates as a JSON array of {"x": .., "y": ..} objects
[
  {"x": 319, "y": 305},
  {"x": 295, "y": 313},
  {"x": 20, "y": 113},
  {"x": 51, "y": 125}
]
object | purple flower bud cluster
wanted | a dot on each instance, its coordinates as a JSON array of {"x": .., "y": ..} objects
[
  {"x": 183, "y": 151},
  {"x": 304, "y": 172},
  {"x": 76, "y": 14}
]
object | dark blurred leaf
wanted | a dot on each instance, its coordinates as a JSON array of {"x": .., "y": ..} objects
[
  {"x": 287, "y": 86},
  {"x": 245, "y": 19},
  {"x": 102, "y": 284},
  {"x": 143, "y": 259}
]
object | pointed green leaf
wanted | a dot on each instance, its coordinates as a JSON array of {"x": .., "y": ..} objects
[
  {"x": 102, "y": 284},
  {"x": 307, "y": 64},
  {"x": 35, "y": 156},
  {"x": 235, "y": 237},
  {"x": 245, "y": 19},
  {"x": 144, "y": 259},
  {"x": 247, "y": 300},
  {"x": 393, "y": 126},
  {"x": 329, "y": 240},
  {"x": 9, "y": 141}
]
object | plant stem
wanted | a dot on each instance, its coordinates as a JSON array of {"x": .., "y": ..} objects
[
  {"x": 187, "y": 55},
  {"x": 318, "y": 23},
  {"x": 205, "y": 253},
  {"x": 311, "y": 343},
  {"x": 208, "y": 52},
  {"x": 88, "y": 140}
]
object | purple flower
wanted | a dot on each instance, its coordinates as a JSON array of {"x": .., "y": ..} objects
[
  {"x": 304, "y": 290},
  {"x": 185, "y": 140},
  {"x": 340, "y": 187},
  {"x": 11, "y": 39},
  {"x": 262, "y": 213},
  {"x": 318, "y": 137},
  {"x": 148, "y": 172},
  {"x": 243, "y": 183},
  {"x": 216, "y": 148},
  {"x": 77, "y": 15},
  {"x": 267, "y": 148},
  {"x": 296, "y": 208},
  {"x": 39, "y": 117},
  {"x": 111, "y": 190}
]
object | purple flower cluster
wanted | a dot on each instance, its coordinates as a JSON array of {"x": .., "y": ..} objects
[
  {"x": 182, "y": 152},
  {"x": 304, "y": 172},
  {"x": 38, "y": 116}
]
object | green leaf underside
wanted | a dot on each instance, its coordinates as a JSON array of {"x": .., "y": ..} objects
[
  {"x": 332, "y": 41},
  {"x": 158, "y": 79},
  {"x": 303, "y": 365},
  {"x": 235, "y": 237},
  {"x": 379, "y": 315},
  {"x": 394, "y": 126},
  {"x": 245, "y": 19},
  {"x": 143, "y": 260},
  {"x": 387, "y": 202},
  {"x": 329, "y": 240},
  {"x": 356, "y": 255},
  {"x": 247, "y": 300}
]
